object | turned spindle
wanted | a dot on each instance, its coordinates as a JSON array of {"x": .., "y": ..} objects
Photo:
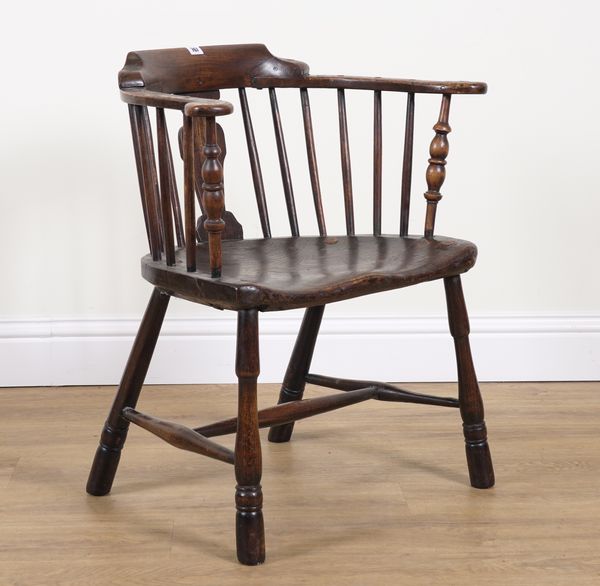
[
  {"x": 213, "y": 196},
  {"x": 189, "y": 204},
  {"x": 436, "y": 171}
]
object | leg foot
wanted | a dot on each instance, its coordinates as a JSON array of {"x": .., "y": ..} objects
[
  {"x": 249, "y": 525},
  {"x": 479, "y": 459},
  {"x": 106, "y": 461}
]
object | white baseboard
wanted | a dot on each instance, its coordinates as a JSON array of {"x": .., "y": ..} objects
[{"x": 93, "y": 352}]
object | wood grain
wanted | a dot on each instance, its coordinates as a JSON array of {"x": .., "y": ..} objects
[
  {"x": 310, "y": 271},
  {"x": 220, "y": 269},
  {"x": 409, "y": 131},
  {"x": 414, "y": 520},
  {"x": 311, "y": 154},
  {"x": 114, "y": 431},
  {"x": 179, "y": 436},
  {"x": 436, "y": 170},
  {"x": 189, "y": 190},
  {"x": 346, "y": 163},
  {"x": 257, "y": 178},
  {"x": 213, "y": 197},
  {"x": 284, "y": 165}
]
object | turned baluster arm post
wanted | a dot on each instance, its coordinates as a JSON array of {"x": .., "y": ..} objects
[
  {"x": 436, "y": 171},
  {"x": 212, "y": 196}
]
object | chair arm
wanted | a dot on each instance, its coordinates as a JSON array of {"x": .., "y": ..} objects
[
  {"x": 374, "y": 83},
  {"x": 190, "y": 106}
]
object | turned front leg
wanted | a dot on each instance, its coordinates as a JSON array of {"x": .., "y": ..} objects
[
  {"x": 479, "y": 461},
  {"x": 250, "y": 531}
]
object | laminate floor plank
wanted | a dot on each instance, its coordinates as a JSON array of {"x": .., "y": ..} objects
[{"x": 376, "y": 493}]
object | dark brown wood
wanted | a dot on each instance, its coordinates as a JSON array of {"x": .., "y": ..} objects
[
  {"x": 346, "y": 167},
  {"x": 133, "y": 120},
  {"x": 407, "y": 164},
  {"x": 287, "y": 413},
  {"x": 233, "y": 229},
  {"x": 250, "y": 531},
  {"x": 384, "y": 391},
  {"x": 166, "y": 185},
  {"x": 177, "y": 71},
  {"x": 436, "y": 171},
  {"x": 175, "y": 205},
  {"x": 287, "y": 273},
  {"x": 213, "y": 197},
  {"x": 144, "y": 152},
  {"x": 372, "y": 83},
  {"x": 115, "y": 429},
  {"x": 313, "y": 168},
  {"x": 179, "y": 436},
  {"x": 191, "y": 106},
  {"x": 294, "y": 381},
  {"x": 257, "y": 179},
  {"x": 220, "y": 269},
  {"x": 479, "y": 461},
  {"x": 284, "y": 165},
  {"x": 199, "y": 134},
  {"x": 189, "y": 205},
  {"x": 377, "y": 162}
]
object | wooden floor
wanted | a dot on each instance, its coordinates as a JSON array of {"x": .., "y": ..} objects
[{"x": 374, "y": 494}]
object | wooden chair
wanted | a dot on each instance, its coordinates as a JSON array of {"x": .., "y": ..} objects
[{"x": 210, "y": 263}]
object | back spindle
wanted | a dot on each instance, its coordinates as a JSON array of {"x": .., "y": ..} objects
[
  {"x": 436, "y": 171},
  {"x": 165, "y": 185},
  {"x": 407, "y": 163},
  {"x": 213, "y": 196},
  {"x": 189, "y": 204},
  {"x": 257, "y": 178},
  {"x": 284, "y": 165},
  {"x": 312, "y": 161},
  {"x": 148, "y": 180},
  {"x": 176, "y": 207},
  {"x": 133, "y": 119},
  {"x": 377, "y": 161},
  {"x": 199, "y": 132},
  {"x": 346, "y": 167}
]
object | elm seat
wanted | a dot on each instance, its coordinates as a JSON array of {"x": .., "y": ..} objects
[
  {"x": 198, "y": 251},
  {"x": 285, "y": 273}
]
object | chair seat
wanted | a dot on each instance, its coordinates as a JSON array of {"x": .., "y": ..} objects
[{"x": 286, "y": 273}]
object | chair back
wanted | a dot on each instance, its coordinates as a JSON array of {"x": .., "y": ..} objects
[{"x": 184, "y": 78}]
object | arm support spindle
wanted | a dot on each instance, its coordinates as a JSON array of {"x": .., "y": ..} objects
[
  {"x": 436, "y": 171},
  {"x": 213, "y": 196},
  {"x": 189, "y": 205}
]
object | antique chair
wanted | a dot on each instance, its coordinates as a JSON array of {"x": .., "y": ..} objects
[{"x": 208, "y": 261}]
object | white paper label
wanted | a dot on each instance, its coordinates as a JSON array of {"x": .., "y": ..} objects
[{"x": 195, "y": 50}]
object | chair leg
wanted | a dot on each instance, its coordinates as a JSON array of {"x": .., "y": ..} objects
[
  {"x": 294, "y": 381},
  {"x": 250, "y": 531},
  {"x": 115, "y": 429},
  {"x": 479, "y": 461}
]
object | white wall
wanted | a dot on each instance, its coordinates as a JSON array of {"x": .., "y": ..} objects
[{"x": 521, "y": 175}]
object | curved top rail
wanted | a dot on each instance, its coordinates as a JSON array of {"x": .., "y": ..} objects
[{"x": 183, "y": 71}]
